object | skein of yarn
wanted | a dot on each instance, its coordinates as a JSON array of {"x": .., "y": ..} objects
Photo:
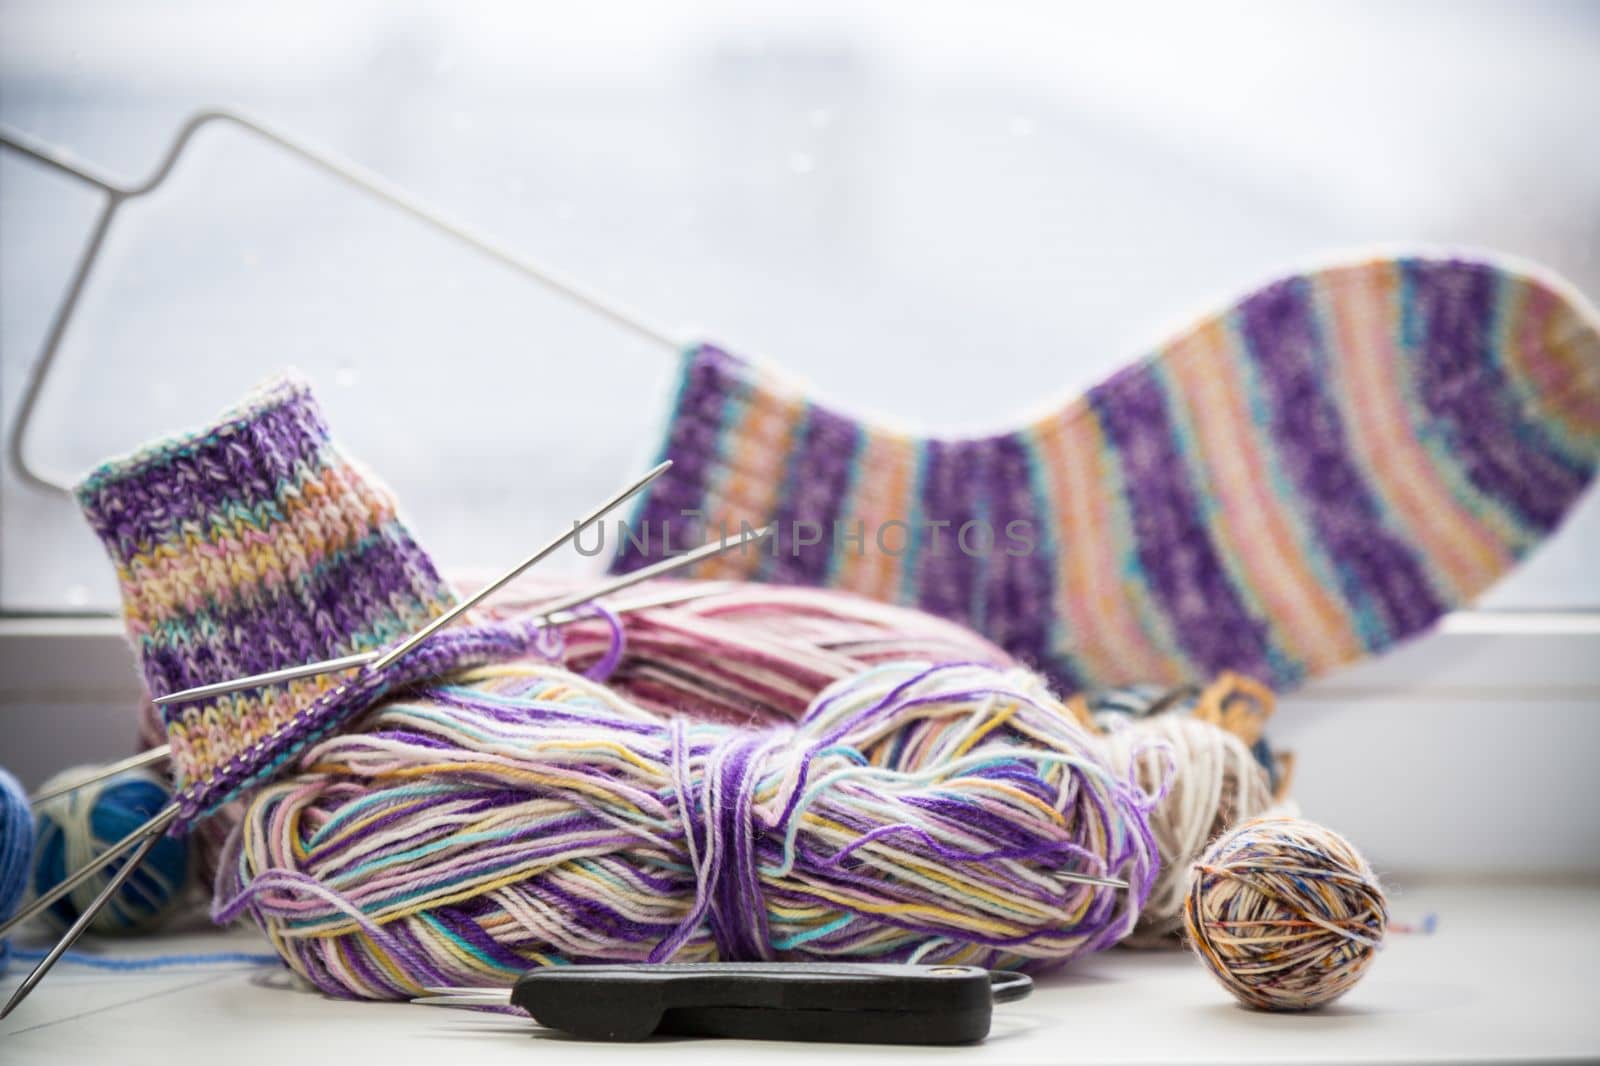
[
  {"x": 75, "y": 827},
  {"x": 16, "y": 851},
  {"x": 528, "y": 816},
  {"x": 1200, "y": 752},
  {"x": 758, "y": 654},
  {"x": 1285, "y": 913},
  {"x": 737, "y": 653},
  {"x": 747, "y": 654}
]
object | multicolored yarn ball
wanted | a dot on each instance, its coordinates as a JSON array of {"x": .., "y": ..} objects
[
  {"x": 16, "y": 851},
  {"x": 1200, "y": 751},
  {"x": 527, "y": 816},
  {"x": 1286, "y": 914},
  {"x": 78, "y": 826}
]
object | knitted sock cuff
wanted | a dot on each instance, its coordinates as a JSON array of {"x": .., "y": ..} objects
[{"x": 251, "y": 545}]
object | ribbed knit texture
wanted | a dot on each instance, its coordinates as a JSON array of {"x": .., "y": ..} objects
[
  {"x": 252, "y": 545},
  {"x": 1304, "y": 479}
]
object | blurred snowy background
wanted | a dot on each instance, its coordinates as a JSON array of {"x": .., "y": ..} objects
[{"x": 945, "y": 213}]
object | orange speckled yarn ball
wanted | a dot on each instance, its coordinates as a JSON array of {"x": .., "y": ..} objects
[{"x": 1285, "y": 913}]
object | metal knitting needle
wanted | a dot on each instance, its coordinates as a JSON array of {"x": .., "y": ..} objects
[
  {"x": 548, "y": 613},
  {"x": 655, "y": 570},
  {"x": 385, "y": 657},
  {"x": 664, "y": 598},
  {"x": 150, "y": 829},
  {"x": 1091, "y": 879},
  {"x": 463, "y": 997},
  {"x": 554, "y": 612},
  {"x": 495, "y": 586},
  {"x": 271, "y": 677},
  {"x": 71, "y": 936},
  {"x": 111, "y": 769}
]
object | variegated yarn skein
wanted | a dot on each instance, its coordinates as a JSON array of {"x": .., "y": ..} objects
[
  {"x": 1286, "y": 914},
  {"x": 736, "y": 653},
  {"x": 524, "y": 815},
  {"x": 743, "y": 653}
]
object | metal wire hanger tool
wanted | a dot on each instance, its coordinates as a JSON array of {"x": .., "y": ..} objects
[{"x": 118, "y": 193}]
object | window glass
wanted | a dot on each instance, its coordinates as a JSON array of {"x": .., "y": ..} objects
[{"x": 943, "y": 215}]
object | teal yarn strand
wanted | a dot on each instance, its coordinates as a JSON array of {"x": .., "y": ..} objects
[
  {"x": 75, "y": 827},
  {"x": 16, "y": 850},
  {"x": 174, "y": 961}
]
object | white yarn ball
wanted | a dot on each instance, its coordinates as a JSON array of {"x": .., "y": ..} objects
[{"x": 1213, "y": 781}]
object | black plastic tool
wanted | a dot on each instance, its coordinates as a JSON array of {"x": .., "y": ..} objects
[{"x": 857, "y": 1003}]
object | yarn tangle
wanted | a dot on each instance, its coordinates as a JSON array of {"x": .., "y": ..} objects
[{"x": 526, "y": 816}]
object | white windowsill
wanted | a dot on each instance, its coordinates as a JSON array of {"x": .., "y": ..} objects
[
  {"x": 1430, "y": 758},
  {"x": 1501, "y": 980}
]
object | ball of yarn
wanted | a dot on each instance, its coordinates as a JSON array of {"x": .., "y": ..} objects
[
  {"x": 1285, "y": 913},
  {"x": 1205, "y": 779},
  {"x": 1202, "y": 750},
  {"x": 528, "y": 816},
  {"x": 76, "y": 827},
  {"x": 16, "y": 851}
]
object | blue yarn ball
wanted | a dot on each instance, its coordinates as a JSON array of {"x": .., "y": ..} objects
[
  {"x": 16, "y": 851},
  {"x": 75, "y": 827}
]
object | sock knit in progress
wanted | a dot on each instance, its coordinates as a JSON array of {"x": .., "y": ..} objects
[
  {"x": 1317, "y": 472},
  {"x": 251, "y": 545}
]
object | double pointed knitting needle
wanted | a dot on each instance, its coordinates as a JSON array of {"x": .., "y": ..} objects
[
  {"x": 71, "y": 936},
  {"x": 557, "y": 612},
  {"x": 380, "y": 658},
  {"x": 150, "y": 831},
  {"x": 664, "y": 598},
  {"x": 490, "y": 589},
  {"x": 110, "y": 769},
  {"x": 38, "y": 905},
  {"x": 386, "y": 656}
]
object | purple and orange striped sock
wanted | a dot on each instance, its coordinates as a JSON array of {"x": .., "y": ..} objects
[
  {"x": 1304, "y": 479},
  {"x": 251, "y": 545}
]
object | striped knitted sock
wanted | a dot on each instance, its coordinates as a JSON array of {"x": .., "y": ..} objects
[
  {"x": 1304, "y": 479},
  {"x": 252, "y": 545}
]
